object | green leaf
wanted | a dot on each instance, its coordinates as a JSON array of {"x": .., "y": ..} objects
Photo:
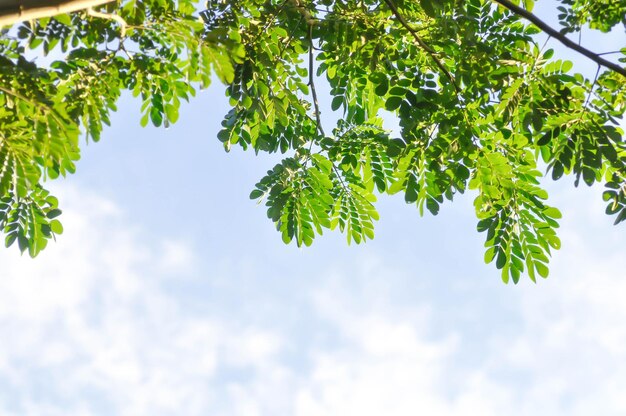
[
  {"x": 64, "y": 19},
  {"x": 256, "y": 194},
  {"x": 410, "y": 195},
  {"x": 541, "y": 269},
  {"x": 428, "y": 7},
  {"x": 393, "y": 103},
  {"x": 620, "y": 217},
  {"x": 398, "y": 91},
  {"x": 22, "y": 243},
  {"x": 529, "y": 4},
  {"x": 530, "y": 267},
  {"x": 53, "y": 213},
  {"x": 501, "y": 259},
  {"x": 567, "y": 66},
  {"x": 552, "y": 213},
  {"x": 557, "y": 171},
  {"x": 515, "y": 274},
  {"x": 432, "y": 206},
  {"x": 171, "y": 111},
  {"x": 336, "y": 103},
  {"x": 382, "y": 88},
  {"x": 10, "y": 239},
  {"x": 489, "y": 255},
  {"x": 56, "y": 227},
  {"x": 156, "y": 117}
]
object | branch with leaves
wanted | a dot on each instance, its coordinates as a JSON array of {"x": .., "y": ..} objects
[
  {"x": 479, "y": 105},
  {"x": 549, "y": 30}
]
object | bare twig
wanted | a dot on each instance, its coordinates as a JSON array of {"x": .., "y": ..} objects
[
  {"x": 609, "y": 53},
  {"x": 316, "y": 106}
]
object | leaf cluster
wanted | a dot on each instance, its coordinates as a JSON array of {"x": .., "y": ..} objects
[
  {"x": 602, "y": 15},
  {"x": 480, "y": 105},
  {"x": 155, "y": 49}
]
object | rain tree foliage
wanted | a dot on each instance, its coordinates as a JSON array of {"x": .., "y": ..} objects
[
  {"x": 158, "y": 50},
  {"x": 481, "y": 103}
]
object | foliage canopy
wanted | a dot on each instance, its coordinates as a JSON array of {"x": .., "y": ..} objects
[{"x": 479, "y": 102}]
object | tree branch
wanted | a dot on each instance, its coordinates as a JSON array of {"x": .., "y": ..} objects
[
  {"x": 107, "y": 16},
  {"x": 43, "y": 107},
  {"x": 316, "y": 106},
  {"x": 421, "y": 43},
  {"x": 15, "y": 11},
  {"x": 560, "y": 37}
]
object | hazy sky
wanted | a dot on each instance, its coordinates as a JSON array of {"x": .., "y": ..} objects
[{"x": 171, "y": 293}]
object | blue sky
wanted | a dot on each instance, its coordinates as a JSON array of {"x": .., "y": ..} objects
[{"x": 170, "y": 293}]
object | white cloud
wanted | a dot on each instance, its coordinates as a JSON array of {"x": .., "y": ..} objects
[
  {"x": 387, "y": 361},
  {"x": 175, "y": 256},
  {"x": 560, "y": 353},
  {"x": 88, "y": 328},
  {"x": 573, "y": 332},
  {"x": 93, "y": 327}
]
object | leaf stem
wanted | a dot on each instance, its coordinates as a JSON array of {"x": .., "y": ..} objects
[
  {"x": 58, "y": 118},
  {"x": 109, "y": 16},
  {"x": 430, "y": 51},
  {"x": 312, "y": 84}
]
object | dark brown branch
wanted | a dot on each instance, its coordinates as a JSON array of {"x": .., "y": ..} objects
[
  {"x": 430, "y": 51},
  {"x": 560, "y": 37},
  {"x": 316, "y": 106}
]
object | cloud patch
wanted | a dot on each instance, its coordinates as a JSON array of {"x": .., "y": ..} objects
[
  {"x": 102, "y": 323},
  {"x": 89, "y": 328}
]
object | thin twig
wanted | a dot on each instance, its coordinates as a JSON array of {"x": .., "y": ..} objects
[
  {"x": 341, "y": 182},
  {"x": 112, "y": 16},
  {"x": 123, "y": 48},
  {"x": 312, "y": 84},
  {"x": 291, "y": 35},
  {"x": 431, "y": 52},
  {"x": 595, "y": 80},
  {"x": 609, "y": 53},
  {"x": 273, "y": 16},
  {"x": 42, "y": 107},
  {"x": 560, "y": 37}
]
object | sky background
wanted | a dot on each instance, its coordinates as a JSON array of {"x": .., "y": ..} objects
[{"x": 171, "y": 293}]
